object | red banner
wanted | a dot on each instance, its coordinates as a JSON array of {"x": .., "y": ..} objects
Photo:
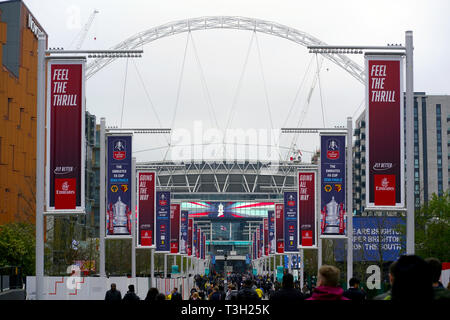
[
  {"x": 385, "y": 147},
  {"x": 146, "y": 238},
  {"x": 279, "y": 227},
  {"x": 146, "y": 208},
  {"x": 258, "y": 243},
  {"x": 174, "y": 227},
  {"x": 197, "y": 250},
  {"x": 65, "y": 193},
  {"x": 307, "y": 208},
  {"x": 266, "y": 236},
  {"x": 190, "y": 236},
  {"x": 385, "y": 190},
  {"x": 65, "y": 140},
  {"x": 307, "y": 238}
]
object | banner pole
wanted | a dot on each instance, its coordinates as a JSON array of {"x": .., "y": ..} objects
[
  {"x": 274, "y": 267},
  {"x": 152, "y": 266},
  {"x": 133, "y": 218},
  {"x": 319, "y": 254},
  {"x": 40, "y": 167},
  {"x": 318, "y": 215},
  {"x": 102, "y": 198},
  {"x": 165, "y": 266},
  {"x": 302, "y": 269},
  {"x": 409, "y": 143},
  {"x": 349, "y": 200}
]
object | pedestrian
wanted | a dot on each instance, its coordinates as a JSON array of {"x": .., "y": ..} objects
[
  {"x": 130, "y": 296},
  {"x": 176, "y": 296},
  {"x": 215, "y": 295},
  {"x": 388, "y": 294},
  {"x": 222, "y": 292},
  {"x": 160, "y": 297},
  {"x": 305, "y": 291},
  {"x": 247, "y": 293},
  {"x": 353, "y": 292},
  {"x": 327, "y": 285},
  {"x": 287, "y": 292},
  {"x": 195, "y": 296},
  {"x": 411, "y": 280},
  {"x": 151, "y": 294},
  {"x": 231, "y": 293},
  {"x": 259, "y": 292},
  {"x": 193, "y": 290},
  {"x": 113, "y": 294}
]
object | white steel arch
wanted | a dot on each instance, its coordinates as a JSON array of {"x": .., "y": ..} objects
[{"x": 226, "y": 22}]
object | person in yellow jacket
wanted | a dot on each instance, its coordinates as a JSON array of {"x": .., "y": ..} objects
[{"x": 259, "y": 292}]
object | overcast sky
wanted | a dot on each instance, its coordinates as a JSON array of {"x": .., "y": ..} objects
[{"x": 214, "y": 61}]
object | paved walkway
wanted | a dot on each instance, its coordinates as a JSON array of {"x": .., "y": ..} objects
[{"x": 15, "y": 294}]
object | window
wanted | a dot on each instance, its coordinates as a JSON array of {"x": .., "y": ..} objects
[
  {"x": 8, "y": 109},
  {"x": 13, "y": 156},
  {"x": 22, "y": 110},
  {"x": 439, "y": 148}
]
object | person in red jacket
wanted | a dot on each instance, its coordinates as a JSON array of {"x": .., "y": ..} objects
[{"x": 327, "y": 285}]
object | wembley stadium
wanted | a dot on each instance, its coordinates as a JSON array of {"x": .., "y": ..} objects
[{"x": 228, "y": 201}]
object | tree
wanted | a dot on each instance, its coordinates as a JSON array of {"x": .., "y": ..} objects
[
  {"x": 432, "y": 228},
  {"x": 17, "y": 246}
]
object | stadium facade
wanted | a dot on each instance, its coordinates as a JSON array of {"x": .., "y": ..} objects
[{"x": 227, "y": 200}]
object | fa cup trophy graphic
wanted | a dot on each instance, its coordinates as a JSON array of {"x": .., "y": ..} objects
[
  {"x": 220, "y": 211},
  {"x": 119, "y": 218},
  {"x": 333, "y": 218}
]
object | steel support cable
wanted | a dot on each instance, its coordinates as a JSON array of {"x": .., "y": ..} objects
[
  {"x": 298, "y": 92},
  {"x": 204, "y": 83},
  {"x": 180, "y": 81},
  {"x": 320, "y": 91},
  {"x": 265, "y": 87},
  {"x": 305, "y": 107},
  {"x": 238, "y": 89},
  {"x": 266, "y": 94},
  {"x": 217, "y": 143},
  {"x": 124, "y": 91},
  {"x": 359, "y": 107},
  {"x": 141, "y": 80}
]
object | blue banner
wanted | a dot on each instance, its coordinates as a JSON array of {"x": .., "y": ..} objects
[
  {"x": 118, "y": 210},
  {"x": 271, "y": 220},
  {"x": 261, "y": 240},
  {"x": 213, "y": 259},
  {"x": 254, "y": 256},
  {"x": 286, "y": 262},
  {"x": 194, "y": 241},
  {"x": 203, "y": 245},
  {"x": 332, "y": 172},
  {"x": 295, "y": 261},
  {"x": 290, "y": 222},
  {"x": 162, "y": 221},
  {"x": 369, "y": 233},
  {"x": 247, "y": 259},
  {"x": 184, "y": 231}
]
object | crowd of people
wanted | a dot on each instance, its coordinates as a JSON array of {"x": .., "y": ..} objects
[{"x": 411, "y": 278}]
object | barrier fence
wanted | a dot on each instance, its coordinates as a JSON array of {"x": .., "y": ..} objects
[{"x": 94, "y": 288}]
